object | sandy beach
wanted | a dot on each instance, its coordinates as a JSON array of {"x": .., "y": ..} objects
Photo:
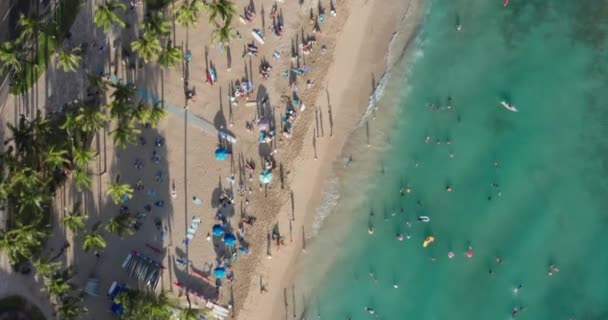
[{"x": 357, "y": 42}]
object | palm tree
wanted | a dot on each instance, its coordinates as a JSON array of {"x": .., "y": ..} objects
[
  {"x": 70, "y": 308},
  {"x": 28, "y": 25},
  {"x": 225, "y": 9},
  {"x": 124, "y": 134},
  {"x": 90, "y": 118},
  {"x": 156, "y": 113},
  {"x": 118, "y": 191},
  {"x": 121, "y": 225},
  {"x": 187, "y": 14},
  {"x": 222, "y": 34},
  {"x": 105, "y": 14},
  {"x": 22, "y": 242},
  {"x": 143, "y": 305},
  {"x": 46, "y": 268},
  {"x": 147, "y": 47},
  {"x": 155, "y": 25},
  {"x": 120, "y": 109},
  {"x": 74, "y": 220},
  {"x": 69, "y": 60},
  {"x": 58, "y": 286},
  {"x": 56, "y": 158},
  {"x": 123, "y": 91},
  {"x": 141, "y": 113},
  {"x": 171, "y": 56},
  {"x": 93, "y": 240},
  {"x": 9, "y": 57},
  {"x": 82, "y": 179},
  {"x": 82, "y": 156},
  {"x": 97, "y": 82}
]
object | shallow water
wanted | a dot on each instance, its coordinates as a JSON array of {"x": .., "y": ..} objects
[{"x": 547, "y": 205}]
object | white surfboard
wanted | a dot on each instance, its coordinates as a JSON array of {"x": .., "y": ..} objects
[
  {"x": 257, "y": 37},
  {"x": 508, "y": 106}
]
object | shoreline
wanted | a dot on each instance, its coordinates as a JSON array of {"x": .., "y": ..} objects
[{"x": 386, "y": 53}]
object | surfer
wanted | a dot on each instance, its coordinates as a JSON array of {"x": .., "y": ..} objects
[
  {"x": 508, "y": 106},
  {"x": 370, "y": 230},
  {"x": 458, "y": 27},
  {"x": 424, "y": 219}
]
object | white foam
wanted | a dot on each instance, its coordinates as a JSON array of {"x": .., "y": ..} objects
[{"x": 331, "y": 195}]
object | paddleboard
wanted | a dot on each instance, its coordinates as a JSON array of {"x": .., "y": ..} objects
[
  {"x": 257, "y": 37},
  {"x": 508, "y": 106}
]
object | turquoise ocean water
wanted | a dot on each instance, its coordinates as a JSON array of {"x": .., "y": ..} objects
[{"x": 544, "y": 203}]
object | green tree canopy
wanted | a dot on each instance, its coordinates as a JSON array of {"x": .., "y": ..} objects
[{"x": 106, "y": 16}]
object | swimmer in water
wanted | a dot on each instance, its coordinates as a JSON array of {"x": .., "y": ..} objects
[
  {"x": 516, "y": 289},
  {"x": 395, "y": 285},
  {"x": 408, "y": 236},
  {"x": 399, "y": 237},
  {"x": 448, "y": 188},
  {"x": 370, "y": 310},
  {"x": 370, "y": 230}
]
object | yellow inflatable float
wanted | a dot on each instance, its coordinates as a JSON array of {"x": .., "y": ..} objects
[{"x": 428, "y": 241}]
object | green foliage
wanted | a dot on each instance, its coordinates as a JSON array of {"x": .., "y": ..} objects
[
  {"x": 48, "y": 36},
  {"x": 121, "y": 225},
  {"x": 69, "y": 60},
  {"x": 143, "y": 305},
  {"x": 117, "y": 191},
  {"x": 82, "y": 179},
  {"x": 156, "y": 113},
  {"x": 93, "y": 240},
  {"x": 28, "y": 26},
  {"x": 21, "y": 242},
  {"x": 171, "y": 56},
  {"x": 74, "y": 220},
  {"x": 155, "y": 25},
  {"x": 147, "y": 47},
  {"x": 70, "y": 308},
  {"x": 106, "y": 16},
  {"x": 124, "y": 135},
  {"x": 9, "y": 57},
  {"x": 223, "y": 35},
  {"x": 187, "y": 14},
  {"x": 224, "y": 9}
]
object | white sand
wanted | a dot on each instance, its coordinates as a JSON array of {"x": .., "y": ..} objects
[{"x": 357, "y": 41}]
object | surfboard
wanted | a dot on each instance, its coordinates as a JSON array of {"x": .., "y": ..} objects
[
  {"x": 257, "y": 36},
  {"x": 508, "y": 106},
  {"x": 242, "y": 20}
]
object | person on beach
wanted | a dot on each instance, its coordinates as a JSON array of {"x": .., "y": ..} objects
[{"x": 348, "y": 161}]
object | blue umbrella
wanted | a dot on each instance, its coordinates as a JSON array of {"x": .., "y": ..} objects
[
  {"x": 219, "y": 272},
  {"x": 229, "y": 239},
  {"x": 221, "y": 154},
  {"x": 266, "y": 177},
  {"x": 218, "y": 230}
]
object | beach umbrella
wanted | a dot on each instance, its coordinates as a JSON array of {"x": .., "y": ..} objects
[
  {"x": 266, "y": 177},
  {"x": 218, "y": 230},
  {"x": 219, "y": 272},
  {"x": 221, "y": 154},
  {"x": 229, "y": 239}
]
